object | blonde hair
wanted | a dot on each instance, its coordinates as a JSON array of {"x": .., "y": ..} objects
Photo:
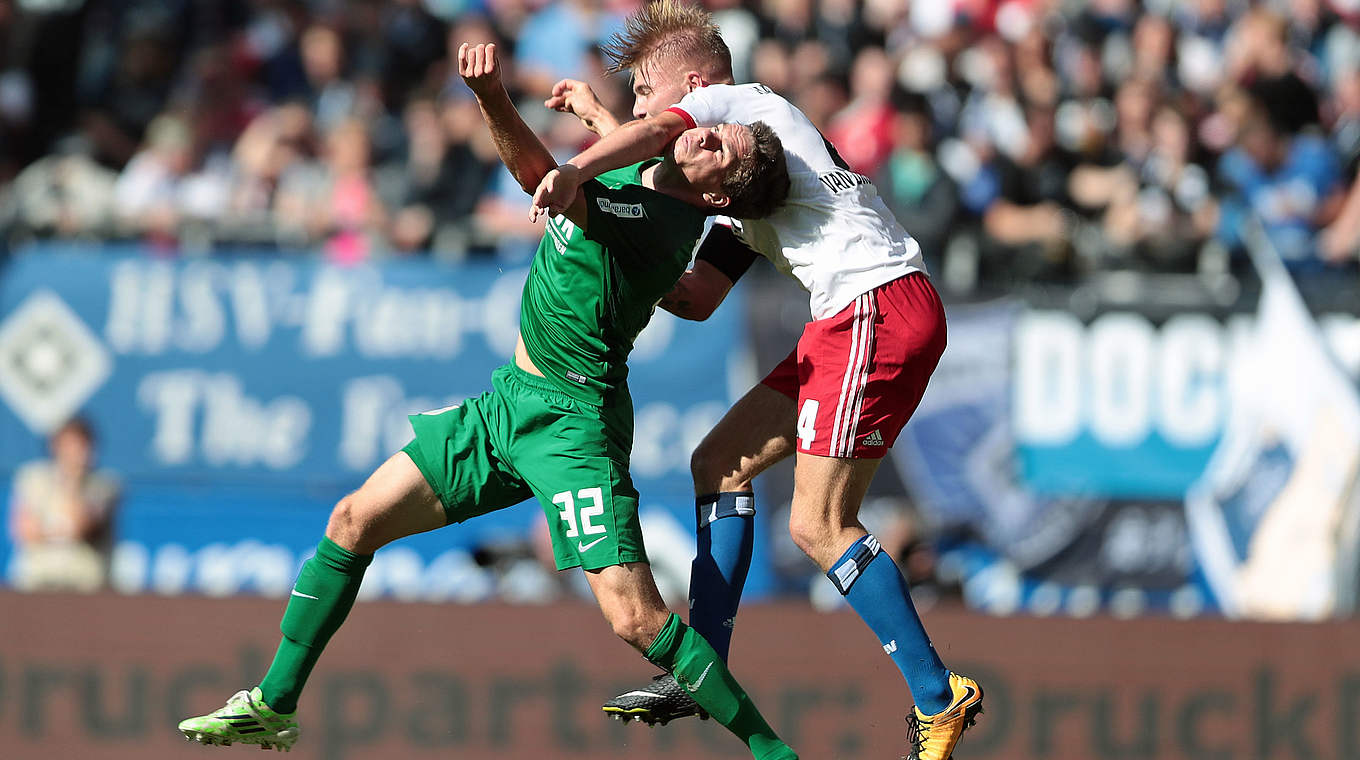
[{"x": 670, "y": 29}]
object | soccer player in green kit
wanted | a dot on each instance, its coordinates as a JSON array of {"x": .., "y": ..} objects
[{"x": 557, "y": 424}]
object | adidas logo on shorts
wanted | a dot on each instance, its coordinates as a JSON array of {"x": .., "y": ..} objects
[{"x": 873, "y": 439}]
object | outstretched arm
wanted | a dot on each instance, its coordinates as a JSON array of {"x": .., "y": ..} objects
[
  {"x": 630, "y": 143},
  {"x": 520, "y": 149}
]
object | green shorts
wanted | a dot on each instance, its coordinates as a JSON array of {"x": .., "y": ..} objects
[{"x": 526, "y": 438}]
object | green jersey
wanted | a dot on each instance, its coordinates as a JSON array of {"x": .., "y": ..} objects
[{"x": 590, "y": 293}]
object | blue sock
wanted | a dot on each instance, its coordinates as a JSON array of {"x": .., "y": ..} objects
[
  {"x": 875, "y": 588},
  {"x": 726, "y": 534}
]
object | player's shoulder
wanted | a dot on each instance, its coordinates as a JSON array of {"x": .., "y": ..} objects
[
  {"x": 623, "y": 176},
  {"x": 736, "y": 92}
]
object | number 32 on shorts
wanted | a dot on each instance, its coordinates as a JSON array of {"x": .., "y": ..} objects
[
  {"x": 807, "y": 424},
  {"x": 569, "y": 513}
]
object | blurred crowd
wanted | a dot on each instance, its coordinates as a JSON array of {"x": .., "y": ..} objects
[{"x": 1020, "y": 140}]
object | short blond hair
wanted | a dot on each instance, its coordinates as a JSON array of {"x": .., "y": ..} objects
[{"x": 670, "y": 29}]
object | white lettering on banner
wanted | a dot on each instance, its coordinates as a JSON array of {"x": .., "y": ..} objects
[
  {"x": 666, "y": 436},
  {"x": 203, "y": 324},
  {"x": 236, "y": 429},
  {"x": 250, "y": 303},
  {"x": 157, "y": 307},
  {"x": 269, "y": 568},
  {"x": 1048, "y": 378},
  {"x": 499, "y": 312},
  {"x": 1120, "y": 371},
  {"x": 655, "y": 339},
  {"x": 141, "y": 307},
  {"x": 218, "y": 569},
  {"x": 1120, "y": 379},
  {"x": 323, "y": 327},
  {"x": 373, "y": 420},
  {"x": 1189, "y": 406}
]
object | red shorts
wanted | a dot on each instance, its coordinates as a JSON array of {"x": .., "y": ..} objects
[{"x": 858, "y": 376}]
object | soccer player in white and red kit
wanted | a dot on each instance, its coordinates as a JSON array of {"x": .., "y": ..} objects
[{"x": 839, "y": 400}]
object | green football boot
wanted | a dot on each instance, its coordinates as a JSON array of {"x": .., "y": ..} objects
[{"x": 245, "y": 719}]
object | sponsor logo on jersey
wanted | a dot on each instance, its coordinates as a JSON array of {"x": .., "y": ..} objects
[
  {"x": 622, "y": 210},
  {"x": 841, "y": 180},
  {"x": 890, "y": 647},
  {"x": 576, "y": 377}
]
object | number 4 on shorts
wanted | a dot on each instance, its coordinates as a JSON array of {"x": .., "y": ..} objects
[
  {"x": 807, "y": 424},
  {"x": 568, "y": 513}
]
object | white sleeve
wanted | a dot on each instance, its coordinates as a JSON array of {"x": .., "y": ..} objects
[{"x": 706, "y": 106}]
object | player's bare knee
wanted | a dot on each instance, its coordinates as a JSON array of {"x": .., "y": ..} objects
[
  {"x": 705, "y": 464},
  {"x": 347, "y": 525},
  {"x": 806, "y": 533}
]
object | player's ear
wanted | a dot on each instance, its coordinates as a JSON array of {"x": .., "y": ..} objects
[
  {"x": 717, "y": 200},
  {"x": 693, "y": 81}
]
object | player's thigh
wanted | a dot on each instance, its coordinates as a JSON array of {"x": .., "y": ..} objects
[
  {"x": 630, "y": 601},
  {"x": 574, "y": 457},
  {"x": 827, "y": 494},
  {"x": 590, "y": 504},
  {"x": 754, "y": 434},
  {"x": 458, "y": 452},
  {"x": 394, "y": 502},
  {"x": 863, "y": 371}
]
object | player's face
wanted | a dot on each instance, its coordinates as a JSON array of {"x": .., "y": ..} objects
[
  {"x": 707, "y": 154},
  {"x": 655, "y": 89}
]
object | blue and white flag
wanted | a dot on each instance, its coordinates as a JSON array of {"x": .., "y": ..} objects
[{"x": 1273, "y": 519}]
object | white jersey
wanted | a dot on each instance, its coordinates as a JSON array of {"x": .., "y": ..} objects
[{"x": 834, "y": 234}]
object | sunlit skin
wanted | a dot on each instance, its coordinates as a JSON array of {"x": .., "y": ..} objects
[
  {"x": 656, "y": 87},
  {"x": 706, "y": 154}
]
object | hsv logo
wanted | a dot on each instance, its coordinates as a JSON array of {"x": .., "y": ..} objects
[{"x": 50, "y": 362}]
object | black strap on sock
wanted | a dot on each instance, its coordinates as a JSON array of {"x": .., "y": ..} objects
[
  {"x": 851, "y": 564},
  {"x": 715, "y": 506}
]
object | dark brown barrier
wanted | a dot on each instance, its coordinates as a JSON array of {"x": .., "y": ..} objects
[{"x": 109, "y": 676}]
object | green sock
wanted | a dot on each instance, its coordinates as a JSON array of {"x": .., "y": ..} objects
[
  {"x": 681, "y": 651},
  {"x": 321, "y": 599}
]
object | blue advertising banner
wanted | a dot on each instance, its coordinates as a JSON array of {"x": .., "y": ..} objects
[{"x": 237, "y": 398}]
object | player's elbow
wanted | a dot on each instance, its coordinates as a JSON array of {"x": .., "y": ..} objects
[{"x": 690, "y": 311}]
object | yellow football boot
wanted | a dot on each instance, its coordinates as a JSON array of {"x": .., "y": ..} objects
[{"x": 933, "y": 737}]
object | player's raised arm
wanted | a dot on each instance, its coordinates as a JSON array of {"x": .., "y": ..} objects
[
  {"x": 630, "y": 143},
  {"x": 527, "y": 158},
  {"x": 576, "y": 98}
]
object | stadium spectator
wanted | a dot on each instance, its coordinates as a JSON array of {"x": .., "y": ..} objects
[
  {"x": 1289, "y": 182},
  {"x": 65, "y": 194},
  {"x": 61, "y": 516},
  {"x": 149, "y": 196},
  {"x": 434, "y": 187},
  {"x": 274, "y": 142},
  {"x": 917, "y": 190},
  {"x": 364, "y": 73},
  {"x": 862, "y": 130},
  {"x": 332, "y": 202},
  {"x": 1026, "y": 219},
  {"x": 555, "y": 41}
]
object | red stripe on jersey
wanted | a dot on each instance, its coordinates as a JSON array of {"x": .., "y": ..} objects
[{"x": 678, "y": 111}]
